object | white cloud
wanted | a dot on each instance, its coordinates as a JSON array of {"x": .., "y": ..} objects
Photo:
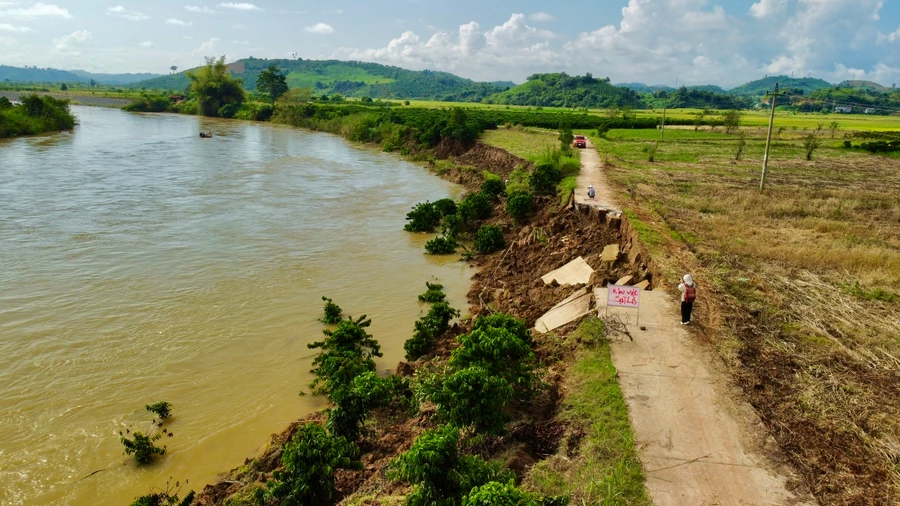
[
  {"x": 36, "y": 11},
  {"x": 243, "y": 6},
  {"x": 68, "y": 44},
  {"x": 5, "y": 27},
  {"x": 541, "y": 17},
  {"x": 8, "y": 42},
  {"x": 176, "y": 21},
  {"x": 199, "y": 9},
  {"x": 122, "y": 12},
  {"x": 207, "y": 47},
  {"x": 320, "y": 28},
  {"x": 895, "y": 36},
  {"x": 147, "y": 43},
  {"x": 764, "y": 8}
]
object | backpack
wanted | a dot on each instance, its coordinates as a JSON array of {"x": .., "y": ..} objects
[{"x": 690, "y": 293}]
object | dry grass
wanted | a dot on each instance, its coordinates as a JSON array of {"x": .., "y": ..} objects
[{"x": 802, "y": 288}]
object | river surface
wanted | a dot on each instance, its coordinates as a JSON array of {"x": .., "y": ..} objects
[{"x": 139, "y": 263}]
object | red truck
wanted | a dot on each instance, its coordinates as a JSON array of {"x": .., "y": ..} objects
[{"x": 580, "y": 141}]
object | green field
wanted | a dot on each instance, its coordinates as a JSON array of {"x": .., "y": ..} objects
[{"x": 327, "y": 76}]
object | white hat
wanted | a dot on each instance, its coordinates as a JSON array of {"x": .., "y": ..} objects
[
  {"x": 687, "y": 279},
  {"x": 590, "y": 186}
]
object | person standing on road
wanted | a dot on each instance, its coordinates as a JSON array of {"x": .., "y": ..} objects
[
  {"x": 591, "y": 192},
  {"x": 688, "y": 293}
]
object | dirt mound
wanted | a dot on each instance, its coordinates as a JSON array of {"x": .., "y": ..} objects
[{"x": 493, "y": 159}]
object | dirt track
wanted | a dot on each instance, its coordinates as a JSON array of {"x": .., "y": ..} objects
[{"x": 698, "y": 443}]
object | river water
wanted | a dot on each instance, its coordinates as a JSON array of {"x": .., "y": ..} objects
[{"x": 139, "y": 263}]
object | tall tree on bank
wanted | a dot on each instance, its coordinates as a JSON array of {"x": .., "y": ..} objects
[
  {"x": 217, "y": 92},
  {"x": 272, "y": 82}
]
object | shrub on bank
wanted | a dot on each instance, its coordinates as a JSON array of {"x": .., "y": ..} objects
[
  {"x": 35, "y": 114},
  {"x": 489, "y": 239},
  {"x": 520, "y": 204}
]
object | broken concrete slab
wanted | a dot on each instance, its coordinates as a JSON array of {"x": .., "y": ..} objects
[
  {"x": 624, "y": 280},
  {"x": 570, "y": 309},
  {"x": 576, "y": 272},
  {"x": 610, "y": 253},
  {"x": 643, "y": 284}
]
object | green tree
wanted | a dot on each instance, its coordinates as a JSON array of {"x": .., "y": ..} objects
[
  {"x": 309, "y": 462},
  {"x": 440, "y": 475},
  {"x": 217, "y": 92},
  {"x": 811, "y": 143},
  {"x": 272, "y": 82},
  {"x": 63, "y": 87},
  {"x": 732, "y": 121}
]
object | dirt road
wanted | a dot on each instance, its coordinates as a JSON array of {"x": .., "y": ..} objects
[
  {"x": 698, "y": 442},
  {"x": 592, "y": 174}
]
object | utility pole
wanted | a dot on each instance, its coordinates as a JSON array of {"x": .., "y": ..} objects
[{"x": 762, "y": 179}]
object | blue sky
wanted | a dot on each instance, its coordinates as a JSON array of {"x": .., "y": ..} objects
[{"x": 725, "y": 42}]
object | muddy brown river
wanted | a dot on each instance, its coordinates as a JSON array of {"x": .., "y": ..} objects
[{"x": 140, "y": 263}]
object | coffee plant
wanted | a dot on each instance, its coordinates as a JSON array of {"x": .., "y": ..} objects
[
  {"x": 545, "y": 178},
  {"x": 474, "y": 207},
  {"x": 434, "y": 293},
  {"x": 353, "y": 403},
  {"x": 423, "y": 218},
  {"x": 473, "y": 397},
  {"x": 493, "y": 187},
  {"x": 347, "y": 352},
  {"x": 332, "y": 312},
  {"x": 439, "y": 475},
  {"x": 309, "y": 462},
  {"x": 441, "y": 245},
  {"x": 504, "y": 321},
  {"x": 162, "y": 409},
  {"x": 489, "y": 239},
  {"x": 141, "y": 445},
  {"x": 519, "y": 204},
  {"x": 167, "y": 497},
  {"x": 445, "y": 207},
  {"x": 498, "y": 493},
  {"x": 428, "y": 329},
  {"x": 500, "y": 353}
]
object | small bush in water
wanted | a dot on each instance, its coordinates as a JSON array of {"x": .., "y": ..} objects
[
  {"x": 142, "y": 446},
  {"x": 423, "y": 218},
  {"x": 434, "y": 293},
  {"x": 162, "y": 409},
  {"x": 441, "y": 245},
  {"x": 332, "y": 312}
]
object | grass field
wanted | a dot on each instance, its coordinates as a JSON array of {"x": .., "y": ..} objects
[{"x": 801, "y": 285}]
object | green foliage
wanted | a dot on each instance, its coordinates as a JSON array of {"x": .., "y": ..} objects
[
  {"x": 423, "y": 218},
  {"x": 545, "y": 178},
  {"x": 498, "y": 493},
  {"x": 472, "y": 396},
  {"x": 167, "y": 497},
  {"x": 162, "y": 409},
  {"x": 520, "y": 204},
  {"x": 150, "y": 102},
  {"x": 562, "y": 90},
  {"x": 309, "y": 462},
  {"x": 811, "y": 143},
  {"x": 5, "y": 103},
  {"x": 440, "y": 476},
  {"x": 255, "y": 111},
  {"x": 441, "y": 245},
  {"x": 732, "y": 121},
  {"x": 489, "y": 239},
  {"x": 493, "y": 186},
  {"x": 428, "y": 329},
  {"x": 332, "y": 312},
  {"x": 451, "y": 227},
  {"x": 501, "y": 353},
  {"x": 216, "y": 91},
  {"x": 354, "y": 403},
  {"x": 35, "y": 114},
  {"x": 761, "y": 86},
  {"x": 272, "y": 83},
  {"x": 434, "y": 293},
  {"x": 650, "y": 148},
  {"x": 742, "y": 142},
  {"x": 565, "y": 137},
  {"x": 506, "y": 322},
  {"x": 474, "y": 207},
  {"x": 445, "y": 207},
  {"x": 346, "y": 353},
  {"x": 142, "y": 446}
]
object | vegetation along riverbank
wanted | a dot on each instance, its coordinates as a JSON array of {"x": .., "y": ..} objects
[
  {"x": 801, "y": 308},
  {"x": 34, "y": 114}
]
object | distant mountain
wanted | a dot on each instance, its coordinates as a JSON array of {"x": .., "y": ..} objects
[
  {"x": 563, "y": 90},
  {"x": 351, "y": 79},
  {"x": 864, "y": 85},
  {"x": 712, "y": 88},
  {"x": 644, "y": 88},
  {"x": 49, "y": 75},
  {"x": 119, "y": 79},
  {"x": 800, "y": 86}
]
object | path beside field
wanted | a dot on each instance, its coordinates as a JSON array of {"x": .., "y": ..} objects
[
  {"x": 592, "y": 174},
  {"x": 699, "y": 443}
]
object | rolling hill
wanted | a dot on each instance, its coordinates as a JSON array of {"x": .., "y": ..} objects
[
  {"x": 49, "y": 75},
  {"x": 563, "y": 90},
  {"x": 351, "y": 79},
  {"x": 803, "y": 85}
]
